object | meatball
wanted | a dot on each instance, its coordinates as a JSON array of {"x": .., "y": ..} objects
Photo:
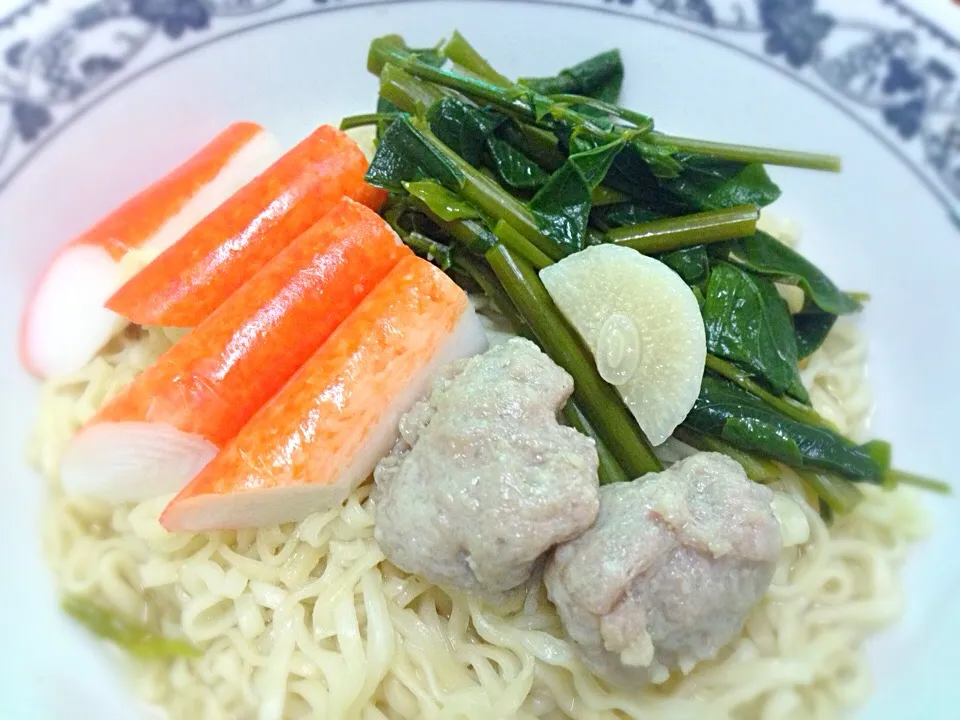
[
  {"x": 484, "y": 480},
  {"x": 669, "y": 571}
]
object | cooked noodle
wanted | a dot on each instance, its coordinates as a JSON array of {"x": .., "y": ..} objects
[{"x": 309, "y": 620}]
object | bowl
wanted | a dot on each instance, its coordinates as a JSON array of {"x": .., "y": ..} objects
[{"x": 98, "y": 98}]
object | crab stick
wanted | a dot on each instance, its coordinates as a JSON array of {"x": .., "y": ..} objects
[
  {"x": 65, "y": 322},
  {"x": 164, "y": 427},
  {"x": 191, "y": 279},
  {"x": 324, "y": 432}
]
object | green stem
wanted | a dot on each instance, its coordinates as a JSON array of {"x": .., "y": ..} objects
[
  {"x": 758, "y": 469},
  {"x": 801, "y": 414},
  {"x": 599, "y": 401},
  {"x": 840, "y": 495},
  {"x": 354, "y": 121},
  {"x": 659, "y": 236},
  {"x": 464, "y": 54},
  {"x": 406, "y": 92},
  {"x": 609, "y": 469},
  {"x": 748, "y": 153},
  {"x": 892, "y": 478}
]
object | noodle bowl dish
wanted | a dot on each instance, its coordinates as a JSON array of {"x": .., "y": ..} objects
[{"x": 495, "y": 388}]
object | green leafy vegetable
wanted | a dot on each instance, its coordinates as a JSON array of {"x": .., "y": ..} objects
[
  {"x": 726, "y": 411},
  {"x": 762, "y": 254},
  {"x": 747, "y": 322},
  {"x": 136, "y": 639},
  {"x": 461, "y": 147},
  {"x": 600, "y": 77}
]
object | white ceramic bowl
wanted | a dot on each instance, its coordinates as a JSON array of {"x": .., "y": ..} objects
[{"x": 97, "y": 98}]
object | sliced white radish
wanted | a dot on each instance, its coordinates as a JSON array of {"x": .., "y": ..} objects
[
  {"x": 143, "y": 460},
  {"x": 643, "y": 325},
  {"x": 65, "y": 322}
]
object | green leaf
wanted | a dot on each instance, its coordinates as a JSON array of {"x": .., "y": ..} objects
[
  {"x": 707, "y": 183},
  {"x": 726, "y": 411},
  {"x": 600, "y": 77},
  {"x": 811, "y": 328},
  {"x": 514, "y": 168},
  {"x": 463, "y": 128},
  {"x": 766, "y": 255},
  {"x": 132, "y": 637},
  {"x": 442, "y": 203},
  {"x": 404, "y": 155},
  {"x": 562, "y": 206},
  {"x": 692, "y": 264},
  {"x": 748, "y": 323}
]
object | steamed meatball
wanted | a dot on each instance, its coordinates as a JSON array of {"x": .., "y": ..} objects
[
  {"x": 669, "y": 571},
  {"x": 484, "y": 479}
]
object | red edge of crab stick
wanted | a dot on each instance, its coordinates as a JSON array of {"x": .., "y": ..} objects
[
  {"x": 324, "y": 432},
  {"x": 65, "y": 323},
  {"x": 164, "y": 427},
  {"x": 191, "y": 279}
]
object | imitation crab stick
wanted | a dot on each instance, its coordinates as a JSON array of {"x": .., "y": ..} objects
[
  {"x": 324, "y": 432},
  {"x": 190, "y": 280},
  {"x": 164, "y": 427},
  {"x": 65, "y": 322}
]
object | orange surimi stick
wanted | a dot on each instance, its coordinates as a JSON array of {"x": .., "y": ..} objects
[
  {"x": 157, "y": 434},
  {"x": 324, "y": 432},
  {"x": 185, "y": 284},
  {"x": 65, "y": 322}
]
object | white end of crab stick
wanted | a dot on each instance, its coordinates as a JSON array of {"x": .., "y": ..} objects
[
  {"x": 65, "y": 322},
  {"x": 141, "y": 455},
  {"x": 324, "y": 432}
]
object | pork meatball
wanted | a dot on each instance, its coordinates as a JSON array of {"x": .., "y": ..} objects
[
  {"x": 484, "y": 480},
  {"x": 669, "y": 571}
]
